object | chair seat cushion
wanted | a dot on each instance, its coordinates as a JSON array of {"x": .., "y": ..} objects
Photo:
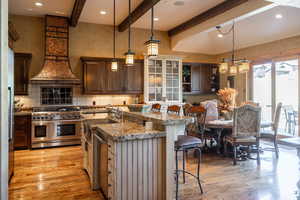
[
  {"x": 186, "y": 141},
  {"x": 249, "y": 139},
  {"x": 267, "y": 134}
]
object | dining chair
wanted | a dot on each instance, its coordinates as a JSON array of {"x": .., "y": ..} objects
[
  {"x": 272, "y": 134},
  {"x": 186, "y": 143},
  {"x": 291, "y": 118},
  {"x": 155, "y": 107},
  {"x": 246, "y": 130},
  {"x": 186, "y": 107}
]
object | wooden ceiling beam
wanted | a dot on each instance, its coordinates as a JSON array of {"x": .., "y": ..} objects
[
  {"x": 137, "y": 13},
  {"x": 210, "y": 13},
  {"x": 76, "y": 12}
]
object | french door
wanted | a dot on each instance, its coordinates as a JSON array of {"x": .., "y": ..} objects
[{"x": 278, "y": 81}]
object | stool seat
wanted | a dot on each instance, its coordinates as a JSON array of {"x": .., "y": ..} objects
[{"x": 186, "y": 142}]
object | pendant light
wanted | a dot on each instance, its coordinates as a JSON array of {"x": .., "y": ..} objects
[
  {"x": 129, "y": 55},
  {"x": 233, "y": 66},
  {"x": 114, "y": 62},
  {"x": 152, "y": 44}
]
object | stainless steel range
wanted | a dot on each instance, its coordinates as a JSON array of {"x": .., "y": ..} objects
[{"x": 56, "y": 126}]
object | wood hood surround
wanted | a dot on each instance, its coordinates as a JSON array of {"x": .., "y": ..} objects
[{"x": 56, "y": 69}]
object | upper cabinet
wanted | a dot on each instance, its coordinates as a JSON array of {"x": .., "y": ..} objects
[
  {"x": 21, "y": 73},
  {"x": 163, "y": 79},
  {"x": 199, "y": 78},
  {"x": 99, "y": 79}
]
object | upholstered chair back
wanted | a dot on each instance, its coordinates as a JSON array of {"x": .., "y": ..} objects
[
  {"x": 276, "y": 117},
  {"x": 246, "y": 121}
]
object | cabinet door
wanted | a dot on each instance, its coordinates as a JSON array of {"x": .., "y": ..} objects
[
  {"x": 196, "y": 78},
  {"x": 115, "y": 80},
  {"x": 22, "y": 132},
  {"x": 205, "y": 75},
  {"x": 103, "y": 168},
  {"x": 94, "y": 77},
  {"x": 135, "y": 78},
  {"x": 21, "y": 71}
]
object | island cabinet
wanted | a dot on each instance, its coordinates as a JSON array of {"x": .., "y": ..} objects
[
  {"x": 130, "y": 162},
  {"x": 99, "y": 79},
  {"x": 21, "y": 73}
]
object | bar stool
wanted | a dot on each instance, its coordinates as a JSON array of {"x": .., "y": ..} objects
[
  {"x": 184, "y": 144},
  {"x": 155, "y": 107}
]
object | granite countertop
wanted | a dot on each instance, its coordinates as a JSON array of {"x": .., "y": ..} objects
[
  {"x": 94, "y": 116},
  {"x": 163, "y": 118},
  {"x": 126, "y": 131},
  {"x": 22, "y": 113}
]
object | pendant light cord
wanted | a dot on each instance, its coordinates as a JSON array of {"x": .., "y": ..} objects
[
  {"x": 233, "y": 42},
  {"x": 114, "y": 48},
  {"x": 152, "y": 22},
  {"x": 129, "y": 28}
]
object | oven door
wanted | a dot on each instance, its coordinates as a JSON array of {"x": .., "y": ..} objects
[
  {"x": 67, "y": 129},
  {"x": 41, "y": 131}
]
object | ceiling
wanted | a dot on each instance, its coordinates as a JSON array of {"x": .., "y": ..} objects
[
  {"x": 257, "y": 29},
  {"x": 254, "y": 29}
]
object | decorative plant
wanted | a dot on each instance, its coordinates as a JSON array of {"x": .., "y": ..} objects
[{"x": 227, "y": 99}]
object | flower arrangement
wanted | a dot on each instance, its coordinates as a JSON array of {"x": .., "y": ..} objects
[{"x": 227, "y": 99}]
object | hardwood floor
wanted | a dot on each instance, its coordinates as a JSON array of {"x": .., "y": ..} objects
[{"x": 57, "y": 174}]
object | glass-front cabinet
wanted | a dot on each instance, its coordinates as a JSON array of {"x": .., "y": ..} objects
[{"x": 163, "y": 80}]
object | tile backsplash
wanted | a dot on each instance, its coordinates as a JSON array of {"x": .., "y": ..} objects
[{"x": 33, "y": 98}]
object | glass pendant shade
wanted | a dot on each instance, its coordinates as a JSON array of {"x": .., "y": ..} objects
[
  {"x": 114, "y": 66},
  {"x": 129, "y": 58},
  {"x": 152, "y": 47},
  {"x": 244, "y": 67},
  {"x": 223, "y": 67},
  {"x": 233, "y": 69}
]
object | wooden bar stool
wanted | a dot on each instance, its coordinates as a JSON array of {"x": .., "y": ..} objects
[{"x": 185, "y": 143}]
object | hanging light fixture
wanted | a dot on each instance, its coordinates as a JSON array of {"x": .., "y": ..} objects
[
  {"x": 152, "y": 44},
  {"x": 233, "y": 66},
  {"x": 114, "y": 62},
  {"x": 129, "y": 55}
]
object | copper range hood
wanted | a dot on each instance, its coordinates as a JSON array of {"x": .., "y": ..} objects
[{"x": 56, "y": 69}]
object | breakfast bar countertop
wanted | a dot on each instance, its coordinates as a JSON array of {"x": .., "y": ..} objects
[{"x": 126, "y": 131}]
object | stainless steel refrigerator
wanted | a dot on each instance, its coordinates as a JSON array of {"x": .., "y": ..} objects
[{"x": 10, "y": 79}]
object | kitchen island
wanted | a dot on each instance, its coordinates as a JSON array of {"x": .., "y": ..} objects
[{"x": 135, "y": 162}]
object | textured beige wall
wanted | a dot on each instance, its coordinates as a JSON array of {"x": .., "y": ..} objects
[{"x": 90, "y": 40}]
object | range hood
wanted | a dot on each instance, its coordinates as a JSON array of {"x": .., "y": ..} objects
[{"x": 56, "y": 69}]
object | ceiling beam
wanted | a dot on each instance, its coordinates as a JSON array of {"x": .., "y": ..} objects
[
  {"x": 137, "y": 13},
  {"x": 210, "y": 13},
  {"x": 76, "y": 12}
]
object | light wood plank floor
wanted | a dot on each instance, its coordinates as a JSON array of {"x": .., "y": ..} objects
[{"x": 57, "y": 174}]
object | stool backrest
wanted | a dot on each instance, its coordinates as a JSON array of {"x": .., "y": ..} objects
[
  {"x": 156, "y": 107},
  {"x": 174, "y": 109},
  {"x": 186, "y": 107},
  {"x": 276, "y": 118},
  {"x": 199, "y": 114}
]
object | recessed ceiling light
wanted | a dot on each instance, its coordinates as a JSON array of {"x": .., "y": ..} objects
[
  {"x": 103, "y": 12},
  {"x": 278, "y": 16},
  {"x": 29, "y": 9},
  {"x": 59, "y": 12},
  {"x": 156, "y": 19},
  {"x": 39, "y": 4},
  {"x": 220, "y": 35}
]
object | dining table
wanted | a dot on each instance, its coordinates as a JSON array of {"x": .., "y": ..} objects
[{"x": 219, "y": 125}]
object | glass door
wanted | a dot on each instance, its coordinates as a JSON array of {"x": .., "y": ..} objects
[
  {"x": 262, "y": 89},
  {"x": 287, "y": 93}
]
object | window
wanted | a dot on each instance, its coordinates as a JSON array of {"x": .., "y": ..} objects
[
  {"x": 56, "y": 96},
  {"x": 163, "y": 80}
]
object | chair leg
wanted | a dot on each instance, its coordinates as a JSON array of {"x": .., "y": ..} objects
[
  {"x": 198, "y": 170},
  {"x": 225, "y": 148},
  {"x": 234, "y": 154},
  {"x": 276, "y": 148},
  {"x": 177, "y": 177},
  {"x": 258, "y": 154},
  {"x": 184, "y": 153}
]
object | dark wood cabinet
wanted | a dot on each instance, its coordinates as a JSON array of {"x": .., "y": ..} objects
[
  {"x": 22, "y": 132},
  {"x": 204, "y": 78},
  {"x": 21, "y": 73},
  {"x": 99, "y": 79}
]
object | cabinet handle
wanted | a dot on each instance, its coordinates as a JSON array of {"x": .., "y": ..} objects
[
  {"x": 109, "y": 158},
  {"x": 109, "y": 172},
  {"x": 109, "y": 145},
  {"x": 109, "y": 185}
]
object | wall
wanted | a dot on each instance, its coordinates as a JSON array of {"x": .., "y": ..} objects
[
  {"x": 89, "y": 40},
  {"x": 259, "y": 53}
]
